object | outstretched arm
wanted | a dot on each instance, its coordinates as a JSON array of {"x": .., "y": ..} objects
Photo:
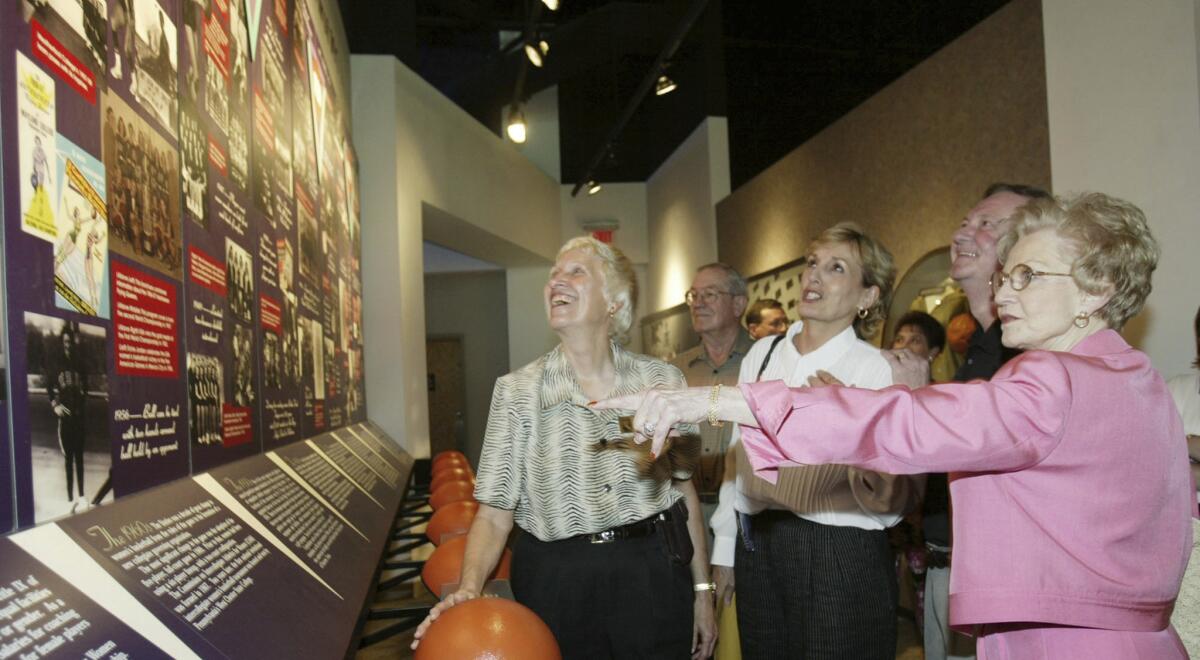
[{"x": 1006, "y": 424}]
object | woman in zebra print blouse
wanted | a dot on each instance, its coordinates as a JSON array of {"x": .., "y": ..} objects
[{"x": 602, "y": 554}]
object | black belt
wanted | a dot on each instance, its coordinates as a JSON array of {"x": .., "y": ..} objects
[{"x": 634, "y": 530}]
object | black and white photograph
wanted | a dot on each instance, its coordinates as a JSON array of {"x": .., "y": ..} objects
[
  {"x": 206, "y": 396},
  {"x": 239, "y": 96},
  {"x": 68, "y": 413},
  {"x": 142, "y": 170},
  {"x": 242, "y": 354},
  {"x": 239, "y": 280},
  {"x": 306, "y": 224},
  {"x": 290, "y": 358},
  {"x": 78, "y": 24},
  {"x": 154, "y": 76},
  {"x": 271, "y": 363},
  {"x": 193, "y": 147},
  {"x": 286, "y": 263},
  {"x": 312, "y": 345}
]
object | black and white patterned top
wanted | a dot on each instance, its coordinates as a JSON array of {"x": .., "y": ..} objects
[{"x": 543, "y": 461}]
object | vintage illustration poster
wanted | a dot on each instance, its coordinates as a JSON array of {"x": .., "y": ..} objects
[
  {"x": 81, "y": 250},
  {"x": 36, "y": 139}
]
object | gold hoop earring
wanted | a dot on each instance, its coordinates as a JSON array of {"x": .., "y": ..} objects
[
  {"x": 1082, "y": 320},
  {"x": 863, "y": 312}
]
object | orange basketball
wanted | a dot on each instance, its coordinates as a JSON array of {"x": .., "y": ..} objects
[
  {"x": 451, "y": 456},
  {"x": 959, "y": 331},
  {"x": 488, "y": 628},
  {"x": 454, "y": 518},
  {"x": 453, "y": 491},
  {"x": 444, "y": 566},
  {"x": 446, "y": 476}
]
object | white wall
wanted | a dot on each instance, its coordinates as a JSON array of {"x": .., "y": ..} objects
[
  {"x": 681, "y": 198},
  {"x": 429, "y": 169},
  {"x": 470, "y": 305},
  {"x": 1124, "y": 109}
]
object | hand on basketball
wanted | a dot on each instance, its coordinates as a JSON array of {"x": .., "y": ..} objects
[{"x": 460, "y": 596}]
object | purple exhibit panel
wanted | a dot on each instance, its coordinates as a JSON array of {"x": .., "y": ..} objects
[
  {"x": 220, "y": 232},
  {"x": 207, "y": 570},
  {"x": 337, "y": 487},
  {"x": 316, "y": 531},
  {"x": 280, "y": 166},
  {"x": 43, "y": 614},
  {"x": 140, "y": 134}
]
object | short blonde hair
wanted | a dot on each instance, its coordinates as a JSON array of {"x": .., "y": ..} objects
[
  {"x": 1112, "y": 244},
  {"x": 620, "y": 282},
  {"x": 878, "y": 267}
]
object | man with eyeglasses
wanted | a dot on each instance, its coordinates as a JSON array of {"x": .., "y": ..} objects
[
  {"x": 973, "y": 265},
  {"x": 716, "y": 300}
]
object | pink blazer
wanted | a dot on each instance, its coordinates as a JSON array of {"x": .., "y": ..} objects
[{"x": 1072, "y": 498}]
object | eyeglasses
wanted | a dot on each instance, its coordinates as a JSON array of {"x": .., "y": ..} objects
[
  {"x": 707, "y": 296},
  {"x": 1020, "y": 277}
]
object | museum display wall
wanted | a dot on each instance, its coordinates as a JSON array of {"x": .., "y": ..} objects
[{"x": 184, "y": 440}]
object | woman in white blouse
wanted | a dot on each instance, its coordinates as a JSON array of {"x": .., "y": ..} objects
[
  {"x": 611, "y": 553},
  {"x": 814, "y": 572}
]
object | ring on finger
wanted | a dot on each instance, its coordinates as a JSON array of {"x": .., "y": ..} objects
[{"x": 648, "y": 429}]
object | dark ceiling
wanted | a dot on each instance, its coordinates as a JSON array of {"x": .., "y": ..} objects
[{"x": 780, "y": 70}]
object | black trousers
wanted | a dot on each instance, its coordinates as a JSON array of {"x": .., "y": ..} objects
[
  {"x": 623, "y": 599},
  {"x": 813, "y": 591}
]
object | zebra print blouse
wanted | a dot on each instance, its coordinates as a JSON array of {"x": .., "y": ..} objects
[{"x": 542, "y": 458}]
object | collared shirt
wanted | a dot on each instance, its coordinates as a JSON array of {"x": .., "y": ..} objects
[
  {"x": 985, "y": 355},
  {"x": 700, "y": 371},
  {"x": 850, "y": 360},
  {"x": 543, "y": 460}
]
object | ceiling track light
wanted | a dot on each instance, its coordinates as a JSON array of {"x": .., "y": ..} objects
[
  {"x": 516, "y": 124},
  {"x": 537, "y": 52},
  {"x": 593, "y": 187},
  {"x": 664, "y": 86}
]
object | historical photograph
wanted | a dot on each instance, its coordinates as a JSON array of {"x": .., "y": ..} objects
[
  {"x": 154, "y": 79},
  {"x": 242, "y": 354},
  {"x": 206, "y": 395},
  {"x": 271, "y": 364},
  {"x": 77, "y": 24},
  {"x": 143, "y": 183},
  {"x": 239, "y": 280},
  {"x": 290, "y": 358},
  {"x": 193, "y": 147},
  {"x": 68, "y": 413}
]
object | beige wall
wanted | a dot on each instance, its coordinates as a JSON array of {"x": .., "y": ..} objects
[
  {"x": 1125, "y": 120},
  {"x": 909, "y": 161},
  {"x": 681, "y": 217},
  {"x": 474, "y": 306},
  {"x": 429, "y": 170}
]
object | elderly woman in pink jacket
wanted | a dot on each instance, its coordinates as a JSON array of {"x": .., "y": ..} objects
[{"x": 1071, "y": 488}]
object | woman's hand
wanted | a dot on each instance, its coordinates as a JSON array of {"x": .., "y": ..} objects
[
  {"x": 823, "y": 378},
  {"x": 460, "y": 596},
  {"x": 908, "y": 368},
  {"x": 659, "y": 410},
  {"x": 704, "y": 626},
  {"x": 723, "y": 577}
]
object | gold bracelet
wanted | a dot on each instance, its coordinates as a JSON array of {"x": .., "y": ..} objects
[
  {"x": 713, "y": 397},
  {"x": 705, "y": 586}
]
